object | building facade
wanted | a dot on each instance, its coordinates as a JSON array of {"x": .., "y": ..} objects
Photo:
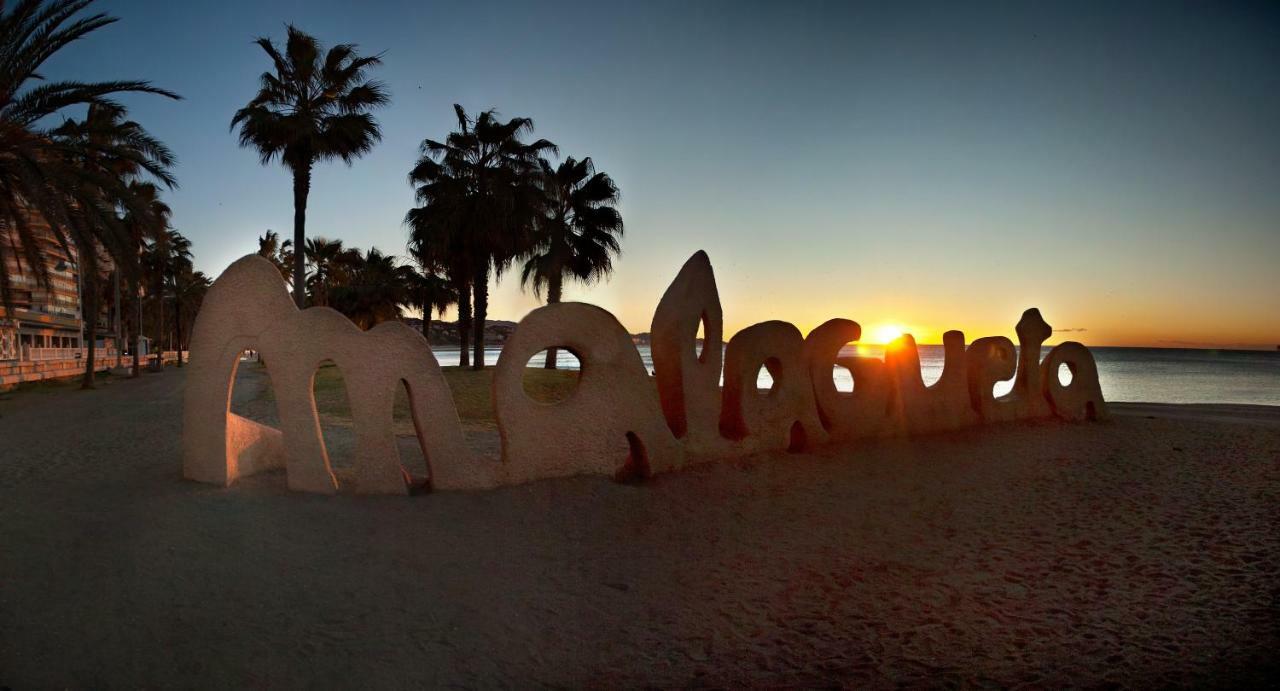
[{"x": 43, "y": 332}]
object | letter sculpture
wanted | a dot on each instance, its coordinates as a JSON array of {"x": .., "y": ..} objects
[{"x": 617, "y": 421}]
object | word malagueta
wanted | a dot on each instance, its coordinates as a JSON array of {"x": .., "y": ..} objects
[{"x": 618, "y": 421}]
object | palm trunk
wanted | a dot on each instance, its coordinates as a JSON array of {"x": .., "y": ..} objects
[
  {"x": 481, "y": 288},
  {"x": 301, "y": 188},
  {"x": 115, "y": 307},
  {"x": 137, "y": 334},
  {"x": 554, "y": 286},
  {"x": 177, "y": 321},
  {"x": 426, "y": 317},
  {"x": 464, "y": 323},
  {"x": 158, "y": 363},
  {"x": 89, "y": 298}
]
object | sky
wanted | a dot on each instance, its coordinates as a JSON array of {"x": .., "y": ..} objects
[{"x": 922, "y": 166}]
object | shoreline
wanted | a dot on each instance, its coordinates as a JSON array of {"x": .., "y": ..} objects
[{"x": 1252, "y": 414}]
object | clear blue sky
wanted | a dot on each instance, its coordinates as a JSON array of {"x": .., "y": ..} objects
[{"x": 941, "y": 165}]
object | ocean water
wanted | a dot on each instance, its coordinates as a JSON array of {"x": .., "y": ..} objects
[{"x": 1156, "y": 375}]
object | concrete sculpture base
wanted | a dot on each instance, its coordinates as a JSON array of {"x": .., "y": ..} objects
[
  {"x": 786, "y": 416},
  {"x": 248, "y": 308},
  {"x": 618, "y": 421},
  {"x": 610, "y": 425}
]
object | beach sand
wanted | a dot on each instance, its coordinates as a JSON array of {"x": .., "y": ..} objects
[{"x": 1143, "y": 551}]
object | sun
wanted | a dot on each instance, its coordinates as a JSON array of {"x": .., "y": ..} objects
[{"x": 886, "y": 333}]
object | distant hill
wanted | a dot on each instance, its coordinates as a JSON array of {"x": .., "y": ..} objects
[{"x": 496, "y": 332}]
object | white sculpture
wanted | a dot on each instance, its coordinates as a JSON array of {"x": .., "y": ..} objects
[{"x": 617, "y": 422}]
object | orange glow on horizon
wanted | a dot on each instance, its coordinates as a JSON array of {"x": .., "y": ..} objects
[{"x": 884, "y": 334}]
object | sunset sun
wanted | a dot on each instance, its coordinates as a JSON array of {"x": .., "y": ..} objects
[{"x": 886, "y": 333}]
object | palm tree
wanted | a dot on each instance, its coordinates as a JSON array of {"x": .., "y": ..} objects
[
  {"x": 279, "y": 253},
  {"x": 148, "y": 223},
  {"x": 179, "y": 271},
  {"x": 311, "y": 108},
  {"x": 331, "y": 265},
  {"x": 40, "y": 172},
  {"x": 436, "y": 231},
  {"x": 111, "y": 152},
  {"x": 578, "y": 232},
  {"x": 189, "y": 288},
  {"x": 168, "y": 254},
  {"x": 429, "y": 289},
  {"x": 375, "y": 288},
  {"x": 154, "y": 261},
  {"x": 76, "y": 183},
  {"x": 483, "y": 178}
]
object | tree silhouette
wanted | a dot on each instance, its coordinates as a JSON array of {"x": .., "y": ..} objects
[
  {"x": 278, "y": 253},
  {"x": 479, "y": 196},
  {"x": 311, "y": 108},
  {"x": 330, "y": 264},
  {"x": 430, "y": 289},
  {"x": 577, "y": 234},
  {"x": 374, "y": 289},
  {"x": 162, "y": 259},
  {"x": 148, "y": 223},
  {"x": 48, "y": 174},
  {"x": 110, "y": 152}
]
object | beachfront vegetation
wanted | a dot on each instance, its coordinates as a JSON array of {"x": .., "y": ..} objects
[
  {"x": 330, "y": 265},
  {"x": 189, "y": 288},
  {"x": 278, "y": 253},
  {"x": 479, "y": 195},
  {"x": 375, "y": 287},
  {"x": 75, "y": 174},
  {"x": 177, "y": 289},
  {"x": 368, "y": 287},
  {"x": 577, "y": 232},
  {"x": 313, "y": 106},
  {"x": 429, "y": 288},
  {"x": 110, "y": 150},
  {"x": 147, "y": 222},
  {"x": 438, "y": 245},
  {"x": 487, "y": 197}
]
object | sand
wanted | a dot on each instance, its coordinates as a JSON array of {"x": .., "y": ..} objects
[{"x": 1143, "y": 551}]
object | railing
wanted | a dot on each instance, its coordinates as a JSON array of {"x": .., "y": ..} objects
[
  {"x": 46, "y": 354},
  {"x": 172, "y": 356},
  {"x": 29, "y": 354},
  {"x": 70, "y": 311}
]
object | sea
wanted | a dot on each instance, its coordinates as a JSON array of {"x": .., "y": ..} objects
[{"x": 1154, "y": 375}]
